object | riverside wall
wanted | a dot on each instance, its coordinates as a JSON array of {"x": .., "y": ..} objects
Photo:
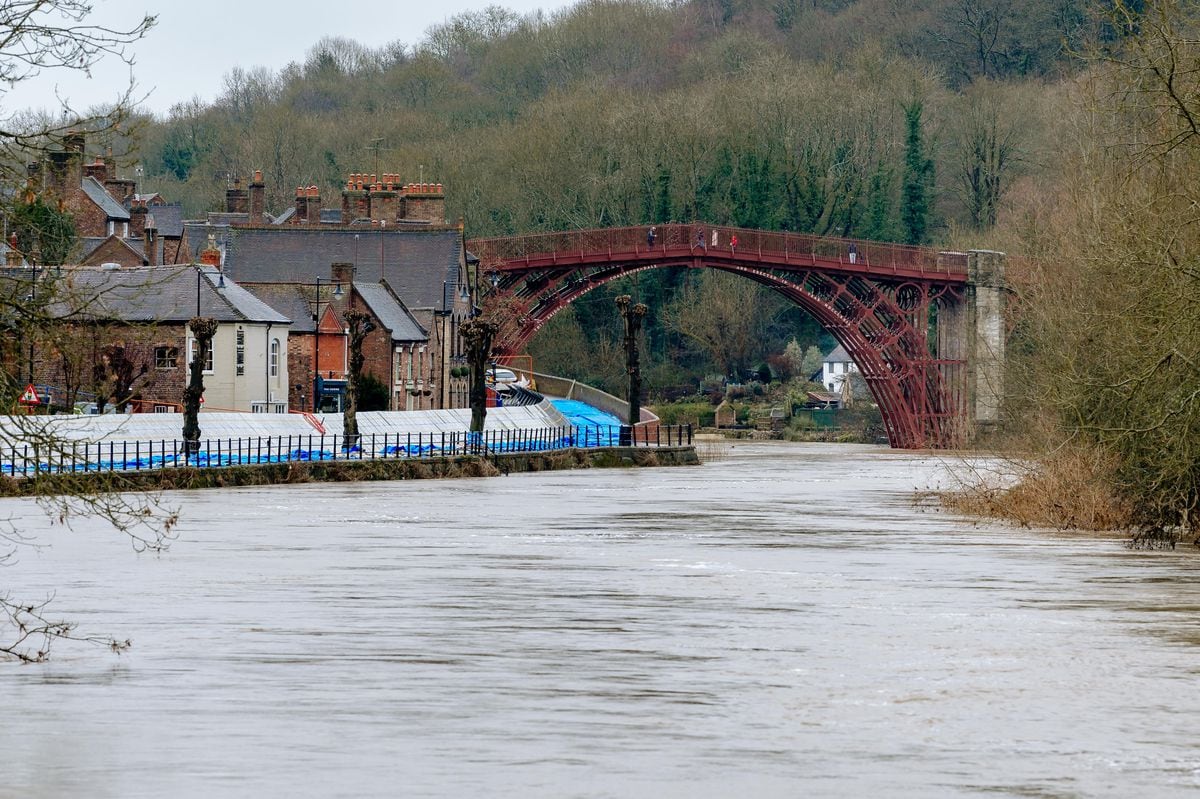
[{"x": 379, "y": 469}]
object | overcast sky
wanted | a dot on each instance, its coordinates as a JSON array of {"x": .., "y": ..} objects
[{"x": 195, "y": 44}]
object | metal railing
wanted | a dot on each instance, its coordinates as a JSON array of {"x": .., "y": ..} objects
[
  {"x": 123, "y": 456},
  {"x": 672, "y": 239}
]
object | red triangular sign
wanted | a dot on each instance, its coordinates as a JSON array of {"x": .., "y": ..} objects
[{"x": 30, "y": 397}]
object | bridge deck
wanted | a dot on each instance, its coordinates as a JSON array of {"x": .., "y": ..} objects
[{"x": 686, "y": 245}]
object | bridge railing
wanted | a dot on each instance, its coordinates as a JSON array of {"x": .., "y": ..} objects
[{"x": 672, "y": 239}]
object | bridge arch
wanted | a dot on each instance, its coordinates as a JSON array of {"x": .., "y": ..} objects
[{"x": 898, "y": 311}]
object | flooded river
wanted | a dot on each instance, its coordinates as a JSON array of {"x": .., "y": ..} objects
[{"x": 779, "y": 623}]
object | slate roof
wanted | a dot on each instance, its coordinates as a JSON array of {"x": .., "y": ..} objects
[
  {"x": 391, "y": 312},
  {"x": 837, "y": 355},
  {"x": 96, "y": 192},
  {"x": 417, "y": 264},
  {"x": 284, "y": 217},
  {"x": 329, "y": 216},
  {"x": 89, "y": 245},
  {"x": 226, "y": 218},
  {"x": 92, "y": 243},
  {"x": 290, "y": 299},
  {"x": 159, "y": 294},
  {"x": 168, "y": 219}
]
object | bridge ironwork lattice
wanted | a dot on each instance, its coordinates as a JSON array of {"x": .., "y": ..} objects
[{"x": 883, "y": 302}]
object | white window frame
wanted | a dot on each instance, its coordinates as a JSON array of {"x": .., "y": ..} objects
[{"x": 191, "y": 353}]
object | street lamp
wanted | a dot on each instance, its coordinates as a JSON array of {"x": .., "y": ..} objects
[
  {"x": 337, "y": 292},
  {"x": 32, "y": 302}
]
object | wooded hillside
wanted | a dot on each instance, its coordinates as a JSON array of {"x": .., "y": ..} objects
[{"x": 874, "y": 119}]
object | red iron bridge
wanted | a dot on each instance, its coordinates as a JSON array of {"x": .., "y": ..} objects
[{"x": 924, "y": 327}]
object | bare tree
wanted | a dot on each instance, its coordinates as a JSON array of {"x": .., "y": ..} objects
[{"x": 39, "y": 35}]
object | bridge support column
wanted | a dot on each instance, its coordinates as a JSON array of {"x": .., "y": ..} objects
[{"x": 986, "y": 299}]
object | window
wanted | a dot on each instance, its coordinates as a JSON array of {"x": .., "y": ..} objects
[
  {"x": 274, "y": 357},
  {"x": 166, "y": 357},
  {"x": 208, "y": 362},
  {"x": 241, "y": 352}
]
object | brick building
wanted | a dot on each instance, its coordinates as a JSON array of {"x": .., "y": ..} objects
[
  {"x": 122, "y": 334},
  {"x": 114, "y": 223},
  {"x": 409, "y": 270}
]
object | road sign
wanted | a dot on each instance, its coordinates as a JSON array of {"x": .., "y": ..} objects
[{"x": 30, "y": 397}]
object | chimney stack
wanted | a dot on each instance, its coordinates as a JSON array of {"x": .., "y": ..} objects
[
  {"x": 138, "y": 213},
  {"x": 97, "y": 169},
  {"x": 237, "y": 201},
  {"x": 66, "y": 166},
  {"x": 211, "y": 254},
  {"x": 343, "y": 274},
  {"x": 150, "y": 240},
  {"x": 425, "y": 202},
  {"x": 314, "y": 205},
  {"x": 13, "y": 256},
  {"x": 258, "y": 194}
]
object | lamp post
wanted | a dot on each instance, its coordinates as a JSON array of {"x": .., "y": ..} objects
[
  {"x": 633, "y": 322},
  {"x": 337, "y": 292},
  {"x": 32, "y": 303}
]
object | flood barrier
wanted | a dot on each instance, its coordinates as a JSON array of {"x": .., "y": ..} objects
[{"x": 122, "y": 456}]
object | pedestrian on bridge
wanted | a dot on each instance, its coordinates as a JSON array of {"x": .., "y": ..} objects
[
  {"x": 651, "y": 234},
  {"x": 716, "y": 238},
  {"x": 700, "y": 239},
  {"x": 733, "y": 243}
]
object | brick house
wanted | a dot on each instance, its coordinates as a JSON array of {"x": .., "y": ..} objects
[
  {"x": 114, "y": 224},
  {"x": 394, "y": 239},
  {"x": 122, "y": 334},
  {"x": 397, "y": 352},
  {"x": 316, "y": 336}
]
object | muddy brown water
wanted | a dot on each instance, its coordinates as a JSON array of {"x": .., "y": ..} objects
[{"x": 782, "y": 622}]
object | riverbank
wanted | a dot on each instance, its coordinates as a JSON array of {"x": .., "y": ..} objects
[{"x": 340, "y": 471}]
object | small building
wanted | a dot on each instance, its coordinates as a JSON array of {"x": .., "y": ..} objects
[
  {"x": 121, "y": 337},
  {"x": 834, "y": 368}
]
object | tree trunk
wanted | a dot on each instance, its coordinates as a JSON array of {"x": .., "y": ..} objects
[{"x": 203, "y": 328}]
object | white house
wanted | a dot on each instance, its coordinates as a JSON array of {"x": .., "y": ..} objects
[
  {"x": 834, "y": 368},
  {"x": 145, "y": 312}
]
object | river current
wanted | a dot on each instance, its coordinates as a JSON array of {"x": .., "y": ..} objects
[{"x": 780, "y": 622}]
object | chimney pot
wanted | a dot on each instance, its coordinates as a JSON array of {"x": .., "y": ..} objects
[{"x": 258, "y": 178}]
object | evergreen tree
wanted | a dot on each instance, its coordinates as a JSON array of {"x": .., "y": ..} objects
[
  {"x": 878, "y": 224},
  {"x": 43, "y": 232},
  {"x": 918, "y": 180}
]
